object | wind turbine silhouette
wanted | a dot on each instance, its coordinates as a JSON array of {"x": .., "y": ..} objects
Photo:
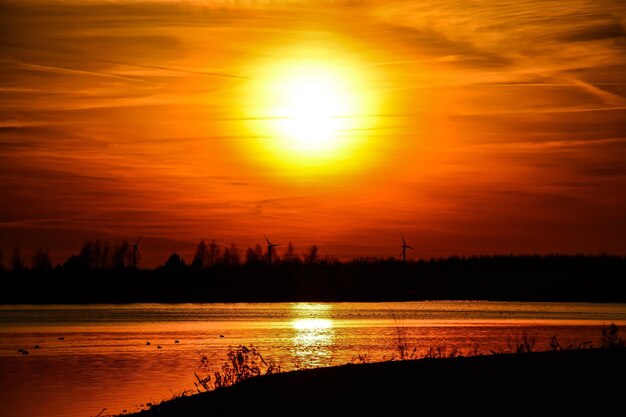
[
  {"x": 404, "y": 248},
  {"x": 270, "y": 249},
  {"x": 136, "y": 254}
]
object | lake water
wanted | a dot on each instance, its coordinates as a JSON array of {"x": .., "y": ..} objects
[{"x": 96, "y": 357}]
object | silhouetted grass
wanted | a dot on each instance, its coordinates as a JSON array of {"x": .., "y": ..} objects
[
  {"x": 403, "y": 348},
  {"x": 524, "y": 343},
  {"x": 242, "y": 363}
]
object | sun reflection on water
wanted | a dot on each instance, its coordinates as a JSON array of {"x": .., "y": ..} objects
[
  {"x": 312, "y": 325},
  {"x": 314, "y": 336}
]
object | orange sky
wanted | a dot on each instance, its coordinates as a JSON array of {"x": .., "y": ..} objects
[{"x": 471, "y": 127}]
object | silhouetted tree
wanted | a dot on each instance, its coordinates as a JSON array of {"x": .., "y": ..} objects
[
  {"x": 175, "y": 263},
  {"x": 103, "y": 254},
  {"x": 331, "y": 260},
  {"x": 213, "y": 253},
  {"x": 200, "y": 260},
  {"x": 290, "y": 255},
  {"x": 17, "y": 261},
  {"x": 254, "y": 256},
  {"x": 41, "y": 260},
  {"x": 275, "y": 257},
  {"x": 88, "y": 255},
  {"x": 312, "y": 256},
  {"x": 73, "y": 263},
  {"x": 231, "y": 255},
  {"x": 122, "y": 255},
  {"x": 97, "y": 253},
  {"x": 258, "y": 250}
]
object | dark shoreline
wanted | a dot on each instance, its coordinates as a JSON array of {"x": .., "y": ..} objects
[
  {"x": 587, "y": 382},
  {"x": 493, "y": 278}
]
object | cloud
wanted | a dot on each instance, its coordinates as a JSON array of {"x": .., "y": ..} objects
[{"x": 590, "y": 32}]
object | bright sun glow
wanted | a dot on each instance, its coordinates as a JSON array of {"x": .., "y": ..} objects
[
  {"x": 312, "y": 108},
  {"x": 311, "y": 114}
]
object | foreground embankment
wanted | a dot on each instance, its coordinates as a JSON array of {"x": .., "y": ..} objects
[{"x": 588, "y": 382}]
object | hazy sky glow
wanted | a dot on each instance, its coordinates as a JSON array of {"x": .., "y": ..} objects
[{"x": 470, "y": 126}]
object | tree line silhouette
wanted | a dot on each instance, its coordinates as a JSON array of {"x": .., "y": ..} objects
[
  {"x": 99, "y": 254},
  {"x": 102, "y": 272}
]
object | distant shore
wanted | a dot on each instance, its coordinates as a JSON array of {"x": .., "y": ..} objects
[
  {"x": 494, "y": 278},
  {"x": 587, "y": 382}
]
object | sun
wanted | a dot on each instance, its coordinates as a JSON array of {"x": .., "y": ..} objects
[
  {"x": 311, "y": 115},
  {"x": 312, "y": 108}
]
